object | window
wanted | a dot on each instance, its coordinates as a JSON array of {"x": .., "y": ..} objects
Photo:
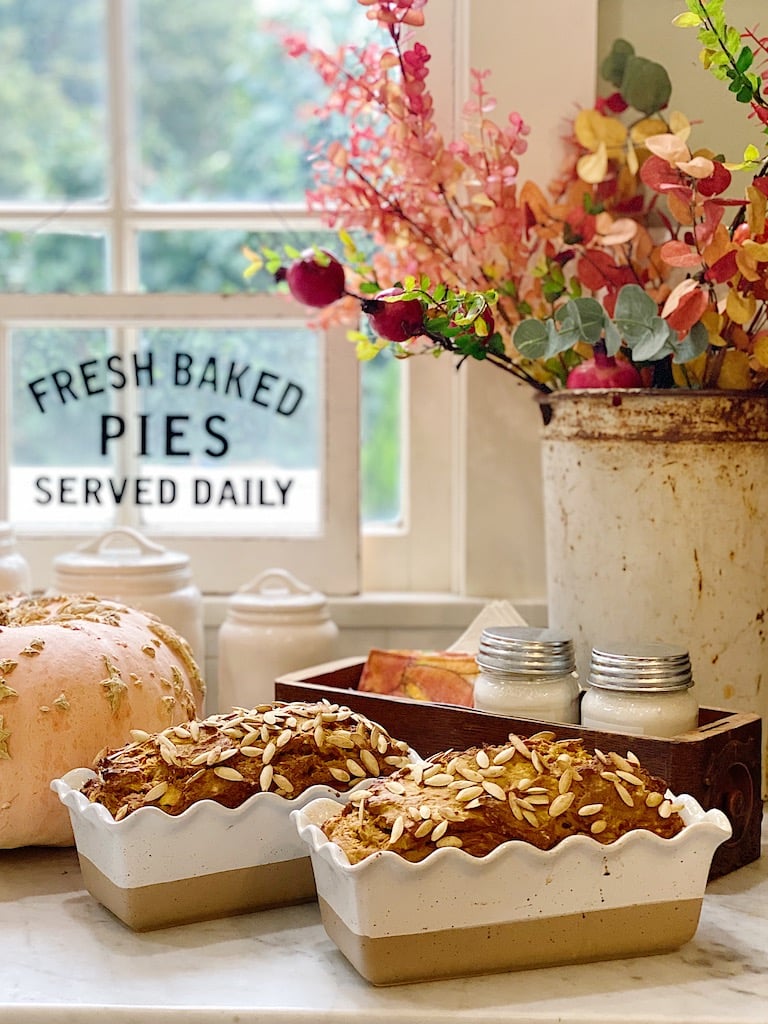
[
  {"x": 150, "y": 140},
  {"x": 129, "y": 177}
]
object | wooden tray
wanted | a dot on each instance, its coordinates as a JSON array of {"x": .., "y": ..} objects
[{"x": 719, "y": 763}]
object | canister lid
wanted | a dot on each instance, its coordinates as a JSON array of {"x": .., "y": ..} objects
[
  {"x": 526, "y": 650},
  {"x": 122, "y": 552},
  {"x": 276, "y": 590},
  {"x": 632, "y": 665}
]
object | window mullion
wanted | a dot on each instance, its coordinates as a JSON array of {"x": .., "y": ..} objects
[{"x": 123, "y": 246}]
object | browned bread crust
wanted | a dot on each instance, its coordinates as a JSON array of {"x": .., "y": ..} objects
[
  {"x": 279, "y": 748},
  {"x": 538, "y": 790}
]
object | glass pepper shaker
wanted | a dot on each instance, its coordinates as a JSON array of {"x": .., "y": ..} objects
[
  {"x": 641, "y": 689},
  {"x": 526, "y": 672}
]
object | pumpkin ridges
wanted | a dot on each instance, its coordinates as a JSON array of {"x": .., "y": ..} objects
[{"x": 80, "y": 644}]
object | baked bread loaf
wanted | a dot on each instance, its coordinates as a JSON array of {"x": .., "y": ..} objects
[
  {"x": 279, "y": 748},
  {"x": 538, "y": 790}
]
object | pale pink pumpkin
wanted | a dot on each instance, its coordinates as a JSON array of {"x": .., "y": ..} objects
[{"x": 77, "y": 673}]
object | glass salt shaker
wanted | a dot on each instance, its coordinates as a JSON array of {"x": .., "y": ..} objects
[
  {"x": 641, "y": 689},
  {"x": 527, "y": 672}
]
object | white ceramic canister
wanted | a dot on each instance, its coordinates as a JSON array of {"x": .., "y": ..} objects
[
  {"x": 123, "y": 565},
  {"x": 527, "y": 672},
  {"x": 14, "y": 570},
  {"x": 643, "y": 689},
  {"x": 274, "y": 624}
]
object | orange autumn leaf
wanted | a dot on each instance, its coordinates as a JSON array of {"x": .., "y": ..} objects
[
  {"x": 678, "y": 254},
  {"x": 680, "y": 209}
]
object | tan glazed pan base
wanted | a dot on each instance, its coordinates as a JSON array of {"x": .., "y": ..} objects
[
  {"x": 204, "y": 897},
  {"x": 489, "y": 949}
]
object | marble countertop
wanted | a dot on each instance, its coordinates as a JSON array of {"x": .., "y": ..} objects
[{"x": 64, "y": 960}]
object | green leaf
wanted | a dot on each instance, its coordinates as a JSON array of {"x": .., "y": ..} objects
[
  {"x": 612, "y": 68},
  {"x": 692, "y": 345},
  {"x": 531, "y": 339},
  {"x": 656, "y": 343},
  {"x": 591, "y": 319},
  {"x": 646, "y": 86},
  {"x": 634, "y": 313},
  {"x": 745, "y": 58},
  {"x": 612, "y": 337}
]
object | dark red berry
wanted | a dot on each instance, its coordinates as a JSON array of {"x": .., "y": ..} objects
[
  {"x": 604, "y": 371},
  {"x": 315, "y": 279},
  {"x": 395, "y": 319}
]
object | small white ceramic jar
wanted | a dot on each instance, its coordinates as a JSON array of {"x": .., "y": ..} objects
[
  {"x": 643, "y": 689},
  {"x": 527, "y": 672},
  {"x": 14, "y": 569},
  {"x": 123, "y": 565},
  {"x": 274, "y": 624}
]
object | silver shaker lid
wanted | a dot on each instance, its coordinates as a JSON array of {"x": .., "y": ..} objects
[
  {"x": 647, "y": 667},
  {"x": 526, "y": 650}
]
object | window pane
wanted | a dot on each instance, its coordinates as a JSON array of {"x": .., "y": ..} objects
[
  {"x": 213, "y": 429},
  {"x": 52, "y": 145},
  {"x": 221, "y": 106},
  {"x": 51, "y": 451},
  {"x": 381, "y": 440},
  {"x": 32, "y": 262},
  {"x": 191, "y": 261}
]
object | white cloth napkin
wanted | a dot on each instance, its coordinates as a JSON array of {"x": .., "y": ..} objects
[{"x": 496, "y": 613}]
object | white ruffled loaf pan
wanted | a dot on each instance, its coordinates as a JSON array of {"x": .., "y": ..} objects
[
  {"x": 154, "y": 869},
  {"x": 518, "y": 907}
]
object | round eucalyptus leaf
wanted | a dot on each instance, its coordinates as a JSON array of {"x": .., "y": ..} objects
[
  {"x": 612, "y": 68},
  {"x": 692, "y": 345},
  {"x": 646, "y": 86},
  {"x": 531, "y": 339}
]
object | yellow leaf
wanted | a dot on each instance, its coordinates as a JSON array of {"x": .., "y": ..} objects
[
  {"x": 593, "y": 128},
  {"x": 633, "y": 164},
  {"x": 644, "y": 129},
  {"x": 758, "y": 251},
  {"x": 680, "y": 125},
  {"x": 752, "y": 154},
  {"x": 734, "y": 372},
  {"x": 756, "y": 211},
  {"x": 740, "y": 308},
  {"x": 691, "y": 373},
  {"x": 593, "y": 167},
  {"x": 687, "y": 20},
  {"x": 747, "y": 265},
  {"x": 366, "y": 350},
  {"x": 481, "y": 199},
  {"x": 254, "y": 266},
  {"x": 760, "y": 350},
  {"x": 713, "y": 321}
]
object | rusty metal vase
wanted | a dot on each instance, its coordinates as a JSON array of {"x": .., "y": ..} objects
[{"x": 656, "y": 527}]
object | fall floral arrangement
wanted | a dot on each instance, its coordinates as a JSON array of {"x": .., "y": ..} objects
[{"x": 641, "y": 264}]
